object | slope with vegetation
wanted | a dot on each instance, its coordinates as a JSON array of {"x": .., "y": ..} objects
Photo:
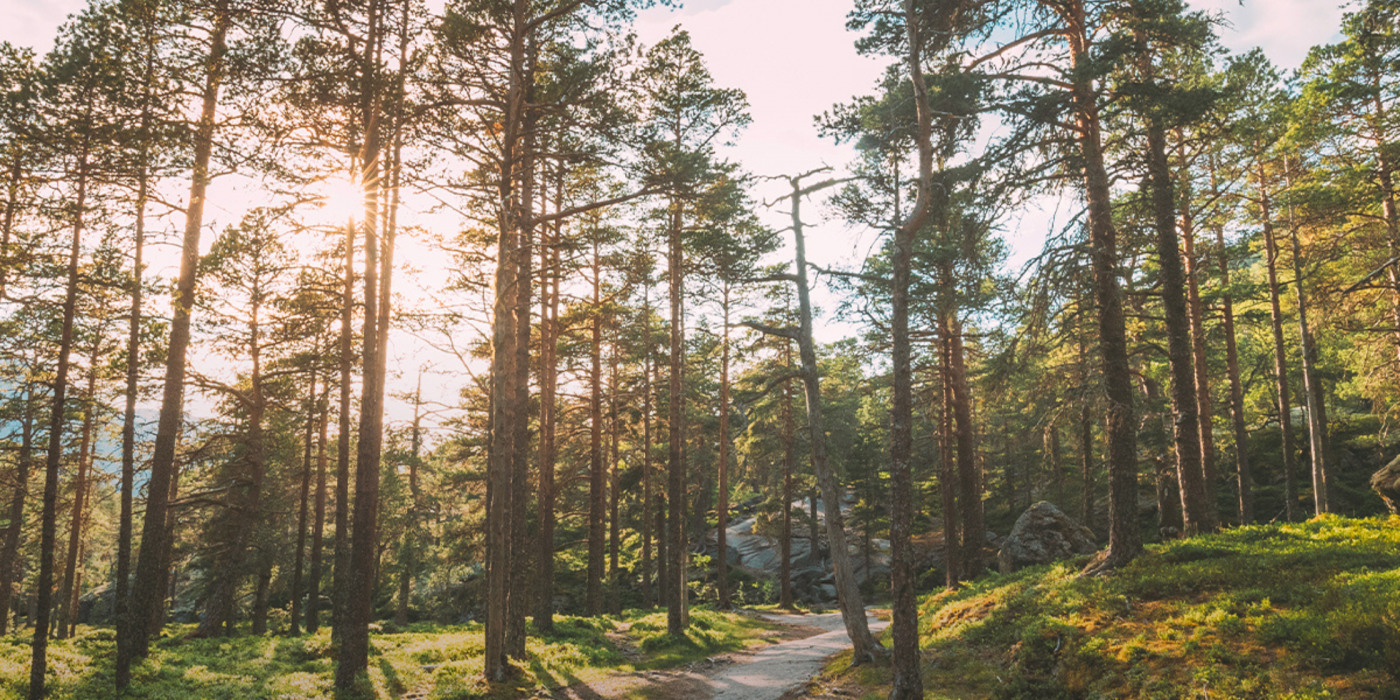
[{"x": 1286, "y": 611}]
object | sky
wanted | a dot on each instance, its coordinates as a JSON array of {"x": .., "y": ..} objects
[{"x": 794, "y": 60}]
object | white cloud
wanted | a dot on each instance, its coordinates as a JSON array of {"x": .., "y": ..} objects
[{"x": 1284, "y": 29}]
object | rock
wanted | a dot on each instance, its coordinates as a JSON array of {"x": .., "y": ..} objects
[
  {"x": 1043, "y": 534},
  {"x": 1386, "y": 482}
]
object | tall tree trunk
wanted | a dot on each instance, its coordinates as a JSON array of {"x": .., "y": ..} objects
[
  {"x": 48, "y": 523},
  {"x": 9, "y": 556},
  {"x": 722, "y": 506},
  {"x": 506, "y": 414},
  {"x": 304, "y": 500},
  {"x": 904, "y": 615},
  {"x": 67, "y": 611},
  {"x": 1186, "y": 426},
  {"x": 947, "y": 473},
  {"x": 970, "y": 508},
  {"x": 675, "y": 424},
  {"x": 789, "y": 472},
  {"x": 358, "y": 608},
  {"x": 1244, "y": 482},
  {"x": 145, "y": 594},
  {"x": 341, "y": 554},
  {"x": 409, "y": 545},
  {"x": 1125, "y": 540},
  {"x": 597, "y": 475},
  {"x": 549, "y": 381},
  {"x": 261, "y": 596},
  {"x": 318, "y": 529},
  {"x": 1285, "y": 409},
  {"x": 648, "y": 597},
  {"x": 518, "y": 594},
  {"x": 614, "y": 526},
  {"x": 1312, "y": 390},
  {"x": 1086, "y": 441},
  {"x": 1205, "y": 405},
  {"x": 122, "y": 586}
]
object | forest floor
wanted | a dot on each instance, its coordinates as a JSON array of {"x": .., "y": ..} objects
[
  {"x": 420, "y": 662},
  {"x": 766, "y": 673},
  {"x": 1302, "y": 611}
]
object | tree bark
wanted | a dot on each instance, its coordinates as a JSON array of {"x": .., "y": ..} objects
[
  {"x": 614, "y": 526},
  {"x": 49, "y": 516},
  {"x": 1205, "y": 404},
  {"x": 675, "y": 423},
  {"x": 789, "y": 472},
  {"x": 648, "y": 595},
  {"x": 154, "y": 531},
  {"x": 865, "y": 648},
  {"x": 549, "y": 381},
  {"x": 1285, "y": 409},
  {"x": 1312, "y": 390},
  {"x": 68, "y": 592},
  {"x": 947, "y": 473},
  {"x": 597, "y": 475},
  {"x": 9, "y": 556},
  {"x": 313, "y": 599},
  {"x": 341, "y": 554},
  {"x": 1186, "y": 426},
  {"x": 304, "y": 500},
  {"x": 1125, "y": 540},
  {"x": 722, "y": 506}
]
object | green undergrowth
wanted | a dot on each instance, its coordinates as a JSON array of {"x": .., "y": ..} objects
[
  {"x": 1287, "y": 612},
  {"x": 445, "y": 661}
]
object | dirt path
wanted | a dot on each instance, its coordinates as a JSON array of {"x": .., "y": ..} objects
[
  {"x": 765, "y": 674},
  {"x": 780, "y": 668}
]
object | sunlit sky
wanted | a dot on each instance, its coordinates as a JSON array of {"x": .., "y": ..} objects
[{"x": 794, "y": 59}]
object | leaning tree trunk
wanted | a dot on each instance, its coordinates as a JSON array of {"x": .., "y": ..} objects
[
  {"x": 146, "y": 596},
  {"x": 865, "y": 648},
  {"x": 1244, "y": 482}
]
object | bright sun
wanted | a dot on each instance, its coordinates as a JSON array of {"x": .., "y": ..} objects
[{"x": 341, "y": 199}]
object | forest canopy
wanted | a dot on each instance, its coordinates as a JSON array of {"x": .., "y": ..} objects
[{"x": 368, "y": 313}]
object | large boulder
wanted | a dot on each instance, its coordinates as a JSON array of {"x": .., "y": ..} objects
[
  {"x": 1386, "y": 482},
  {"x": 1043, "y": 534}
]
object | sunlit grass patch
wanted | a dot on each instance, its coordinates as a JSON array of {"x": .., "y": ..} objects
[{"x": 1303, "y": 610}]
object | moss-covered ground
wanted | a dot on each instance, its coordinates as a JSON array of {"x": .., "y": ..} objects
[
  {"x": 440, "y": 662},
  {"x": 1286, "y": 612}
]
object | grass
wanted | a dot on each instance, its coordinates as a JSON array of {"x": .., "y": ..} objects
[
  {"x": 446, "y": 661},
  {"x": 1286, "y": 612}
]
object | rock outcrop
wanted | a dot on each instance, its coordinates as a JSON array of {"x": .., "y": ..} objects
[
  {"x": 1043, "y": 534},
  {"x": 813, "y": 581},
  {"x": 1386, "y": 482}
]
